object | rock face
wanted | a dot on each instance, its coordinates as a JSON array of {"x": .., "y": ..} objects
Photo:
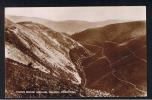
[
  {"x": 38, "y": 58},
  {"x": 21, "y": 78},
  {"x": 118, "y": 64}
]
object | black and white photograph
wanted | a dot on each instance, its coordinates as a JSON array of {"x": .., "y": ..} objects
[{"x": 93, "y": 51}]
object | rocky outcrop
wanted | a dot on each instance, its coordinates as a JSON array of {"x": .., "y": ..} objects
[{"x": 37, "y": 58}]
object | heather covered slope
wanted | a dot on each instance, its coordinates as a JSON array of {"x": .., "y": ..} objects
[
  {"x": 119, "y": 60},
  {"x": 120, "y": 66},
  {"x": 44, "y": 51}
]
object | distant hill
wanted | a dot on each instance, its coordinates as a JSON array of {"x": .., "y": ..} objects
[
  {"x": 118, "y": 32},
  {"x": 69, "y": 26}
]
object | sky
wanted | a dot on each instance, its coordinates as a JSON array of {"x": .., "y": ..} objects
[{"x": 92, "y": 14}]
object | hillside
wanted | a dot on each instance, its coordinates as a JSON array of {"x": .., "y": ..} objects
[
  {"x": 119, "y": 66},
  {"x": 119, "y": 60},
  {"x": 31, "y": 48}
]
